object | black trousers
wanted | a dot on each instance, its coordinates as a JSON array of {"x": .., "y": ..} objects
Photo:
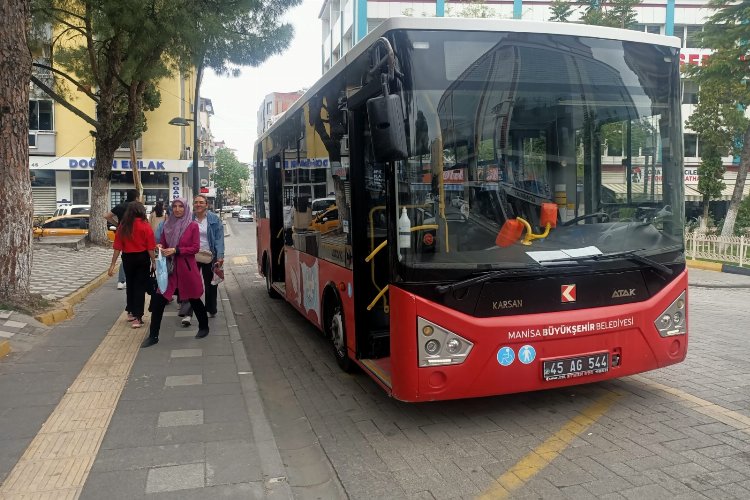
[
  {"x": 137, "y": 269},
  {"x": 211, "y": 291},
  {"x": 158, "y": 303}
]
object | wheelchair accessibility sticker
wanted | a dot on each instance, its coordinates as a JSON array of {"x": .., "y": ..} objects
[{"x": 505, "y": 356}]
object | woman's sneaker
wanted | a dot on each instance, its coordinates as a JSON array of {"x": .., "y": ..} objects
[
  {"x": 186, "y": 321},
  {"x": 131, "y": 317},
  {"x": 137, "y": 323}
]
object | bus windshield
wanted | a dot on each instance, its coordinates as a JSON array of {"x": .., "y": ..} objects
[{"x": 579, "y": 133}]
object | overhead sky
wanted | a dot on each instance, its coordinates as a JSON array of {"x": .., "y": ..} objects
[{"x": 236, "y": 100}]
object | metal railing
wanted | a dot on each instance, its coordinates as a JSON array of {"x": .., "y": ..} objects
[{"x": 732, "y": 249}]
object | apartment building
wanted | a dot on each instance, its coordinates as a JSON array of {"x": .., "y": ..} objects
[
  {"x": 61, "y": 148},
  {"x": 273, "y": 106}
]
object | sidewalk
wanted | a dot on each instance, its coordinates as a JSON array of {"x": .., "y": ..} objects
[{"x": 85, "y": 412}]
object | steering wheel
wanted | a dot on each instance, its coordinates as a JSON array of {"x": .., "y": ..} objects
[{"x": 584, "y": 217}]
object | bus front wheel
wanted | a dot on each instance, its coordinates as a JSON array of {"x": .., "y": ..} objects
[{"x": 337, "y": 332}]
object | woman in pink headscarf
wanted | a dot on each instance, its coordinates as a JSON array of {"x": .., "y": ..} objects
[{"x": 180, "y": 240}]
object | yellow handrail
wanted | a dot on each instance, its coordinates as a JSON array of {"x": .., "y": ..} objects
[
  {"x": 377, "y": 298},
  {"x": 531, "y": 236},
  {"x": 375, "y": 252}
]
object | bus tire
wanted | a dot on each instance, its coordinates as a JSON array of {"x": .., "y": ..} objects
[
  {"x": 337, "y": 332},
  {"x": 267, "y": 272}
]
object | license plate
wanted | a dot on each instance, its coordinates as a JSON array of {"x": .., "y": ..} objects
[{"x": 578, "y": 366}]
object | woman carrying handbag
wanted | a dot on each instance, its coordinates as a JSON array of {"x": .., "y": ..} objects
[
  {"x": 180, "y": 241},
  {"x": 210, "y": 257}
]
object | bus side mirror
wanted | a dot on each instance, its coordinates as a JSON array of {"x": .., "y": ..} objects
[{"x": 387, "y": 128}]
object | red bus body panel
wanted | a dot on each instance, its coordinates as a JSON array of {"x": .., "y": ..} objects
[
  {"x": 628, "y": 330},
  {"x": 306, "y": 279}
]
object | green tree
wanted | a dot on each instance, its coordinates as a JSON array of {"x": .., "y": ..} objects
[
  {"x": 717, "y": 122},
  {"x": 230, "y": 172},
  {"x": 727, "y": 32},
  {"x": 710, "y": 178},
  {"x": 16, "y": 210},
  {"x": 743, "y": 217},
  {"x": 561, "y": 10},
  {"x": 615, "y": 13},
  {"x": 473, "y": 8},
  {"x": 621, "y": 13},
  {"x": 114, "y": 51}
]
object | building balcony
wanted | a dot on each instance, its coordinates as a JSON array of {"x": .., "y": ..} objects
[{"x": 42, "y": 142}]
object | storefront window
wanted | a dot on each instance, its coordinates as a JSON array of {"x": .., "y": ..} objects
[
  {"x": 80, "y": 178},
  {"x": 151, "y": 196},
  {"x": 42, "y": 178},
  {"x": 122, "y": 177},
  {"x": 151, "y": 178}
]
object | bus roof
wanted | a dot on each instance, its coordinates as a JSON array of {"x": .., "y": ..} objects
[{"x": 475, "y": 24}]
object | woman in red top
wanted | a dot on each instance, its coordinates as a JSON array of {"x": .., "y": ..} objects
[{"x": 135, "y": 239}]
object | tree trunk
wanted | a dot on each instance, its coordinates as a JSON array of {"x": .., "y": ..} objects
[
  {"x": 704, "y": 219},
  {"x": 739, "y": 187},
  {"x": 136, "y": 172},
  {"x": 100, "y": 193},
  {"x": 17, "y": 209}
]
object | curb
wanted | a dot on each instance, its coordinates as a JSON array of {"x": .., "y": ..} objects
[
  {"x": 726, "y": 268},
  {"x": 707, "y": 266},
  {"x": 4, "y": 348},
  {"x": 276, "y": 483},
  {"x": 65, "y": 311}
]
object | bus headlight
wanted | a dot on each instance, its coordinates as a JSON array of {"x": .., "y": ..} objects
[
  {"x": 438, "y": 346},
  {"x": 672, "y": 320}
]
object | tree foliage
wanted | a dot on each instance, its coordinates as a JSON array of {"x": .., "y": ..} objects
[
  {"x": 114, "y": 52},
  {"x": 615, "y": 13},
  {"x": 230, "y": 172},
  {"x": 724, "y": 78},
  {"x": 474, "y": 8},
  {"x": 742, "y": 225},
  {"x": 561, "y": 10}
]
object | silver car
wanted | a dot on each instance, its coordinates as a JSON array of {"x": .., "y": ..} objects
[{"x": 245, "y": 215}]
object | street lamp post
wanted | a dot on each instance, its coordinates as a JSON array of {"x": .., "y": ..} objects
[{"x": 184, "y": 122}]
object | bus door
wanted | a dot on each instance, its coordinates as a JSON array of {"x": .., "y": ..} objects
[
  {"x": 370, "y": 238},
  {"x": 276, "y": 220}
]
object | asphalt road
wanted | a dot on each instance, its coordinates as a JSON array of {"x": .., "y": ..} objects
[{"x": 680, "y": 432}]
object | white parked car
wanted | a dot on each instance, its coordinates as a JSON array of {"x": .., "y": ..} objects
[
  {"x": 72, "y": 210},
  {"x": 320, "y": 205}
]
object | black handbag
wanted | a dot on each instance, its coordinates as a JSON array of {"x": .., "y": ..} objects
[{"x": 152, "y": 287}]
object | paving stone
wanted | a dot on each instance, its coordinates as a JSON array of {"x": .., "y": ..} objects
[
  {"x": 180, "y": 417},
  {"x": 115, "y": 485},
  {"x": 180, "y": 380},
  {"x": 144, "y": 457},
  {"x": 230, "y": 462},
  {"x": 186, "y": 353},
  {"x": 175, "y": 477},
  {"x": 14, "y": 324},
  {"x": 6, "y": 335}
]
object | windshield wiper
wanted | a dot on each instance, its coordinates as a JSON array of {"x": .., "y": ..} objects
[
  {"x": 490, "y": 276},
  {"x": 630, "y": 255}
]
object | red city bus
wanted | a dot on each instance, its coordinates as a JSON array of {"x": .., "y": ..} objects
[{"x": 509, "y": 206}]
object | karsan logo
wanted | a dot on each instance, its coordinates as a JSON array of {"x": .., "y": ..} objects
[
  {"x": 623, "y": 293},
  {"x": 568, "y": 293}
]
